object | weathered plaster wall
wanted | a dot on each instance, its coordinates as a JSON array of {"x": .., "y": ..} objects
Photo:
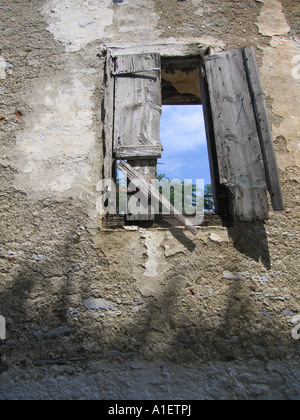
[{"x": 153, "y": 294}]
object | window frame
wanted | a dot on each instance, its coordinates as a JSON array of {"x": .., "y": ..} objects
[
  {"x": 222, "y": 195},
  {"x": 179, "y": 60}
]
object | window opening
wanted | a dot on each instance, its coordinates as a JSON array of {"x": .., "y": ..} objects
[
  {"x": 183, "y": 136},
  {"x": 241, "y": 153},
  {"x": 185, "y": 154}
]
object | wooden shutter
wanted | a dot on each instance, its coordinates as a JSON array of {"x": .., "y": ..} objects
[
  {"x": 137, "y": 114},
  {"x": 263, "y": 128},
  {"x": 246, "y": 159},
  {"x": 137, "y": 109}
]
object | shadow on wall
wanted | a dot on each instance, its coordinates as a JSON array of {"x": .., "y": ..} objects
[
  {"x": 48, "y": 324},
  {"x": 171, "y": 328},
  {"x": 251, "y": 240},
  {"x": 248, "y": 238},
  {"x": 40, "y": 283}
]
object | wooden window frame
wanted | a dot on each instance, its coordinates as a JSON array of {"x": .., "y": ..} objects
[
  {"x": 170, "y": 64},
  {"x": 188, "y": 62}
]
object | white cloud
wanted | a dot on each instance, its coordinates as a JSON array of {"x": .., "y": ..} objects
[
  {"x": 171, "y": 166},
  {"x": 182, "y": 129},
  {"x": 183, "y": 136}
]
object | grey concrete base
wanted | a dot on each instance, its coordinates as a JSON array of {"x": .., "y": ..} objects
[{"x": 128, "y": 380}]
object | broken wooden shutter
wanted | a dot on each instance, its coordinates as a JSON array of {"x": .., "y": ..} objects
[
  {"x": 137, "y": 106},
  {"x": 137, "y": 114},
  {"x": 150, "y": 190},
  {"x": 246, "y": 159}
]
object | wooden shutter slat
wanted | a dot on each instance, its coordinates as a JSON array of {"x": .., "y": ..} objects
[
  {"x": 210, "y": 135},
  {"x": 240, "y": 161},
  {"x": 108, "y": 118},
  {"x": 263, "y": 127},
  {"x": 137, "y": 106},
  {"x": 129, "y": 73},
  {"x": 145, "y": 168}
]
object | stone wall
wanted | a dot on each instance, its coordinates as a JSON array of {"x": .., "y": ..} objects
[{"x": 72, "y": 293}]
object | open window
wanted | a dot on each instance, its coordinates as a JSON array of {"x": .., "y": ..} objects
[{"x": 241, "y": 151}]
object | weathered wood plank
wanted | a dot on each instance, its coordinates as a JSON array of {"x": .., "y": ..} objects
[
  {"x": 108, "y": 117},
  {"x": 240, "y": 161},
  {"x": 210, "y": 135},
  {"x": 149, "y": 190},
  {"x": 138, "y": 152},
  {"x": 162, "y": 221},
  {"x": 147, "y": 169},
  {"x": 264, "y": 130},
  {"x": 137, "y": 110}
]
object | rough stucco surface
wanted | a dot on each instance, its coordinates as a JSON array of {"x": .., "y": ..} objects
[
  {"x": 274, "y": 380},
  {"x": 216, "y": 306}
]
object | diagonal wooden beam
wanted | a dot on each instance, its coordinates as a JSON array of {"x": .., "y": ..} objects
[{"x": 149, "y": 190}]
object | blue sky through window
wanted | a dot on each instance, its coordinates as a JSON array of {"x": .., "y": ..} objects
[{"x": 185, "y": 154}]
